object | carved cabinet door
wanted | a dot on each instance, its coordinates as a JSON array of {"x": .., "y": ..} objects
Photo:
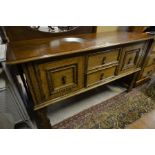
[{"x": 53, "y": 79}]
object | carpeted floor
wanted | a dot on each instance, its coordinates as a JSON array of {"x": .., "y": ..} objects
[{"x": 116, "y": 112}]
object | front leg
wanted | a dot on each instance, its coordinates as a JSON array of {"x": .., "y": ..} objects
[
  {"x": 42, "y": 120},
  {"x": 132, "y": 83}
]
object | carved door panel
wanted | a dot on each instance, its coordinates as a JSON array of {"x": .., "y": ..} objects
[
  {"x": 132, "y": 57},
  {"x": 59, "y": 78}
]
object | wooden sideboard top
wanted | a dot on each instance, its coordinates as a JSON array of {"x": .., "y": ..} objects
[{"x": 30, "y": 50}]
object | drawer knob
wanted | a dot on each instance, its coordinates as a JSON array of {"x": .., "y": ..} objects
[
  {"x": 63, "y": 79},
  {"x": 103, "y": 60},
  {"x": 102, "y": 76},
  {"x": 129, "y": 61}
]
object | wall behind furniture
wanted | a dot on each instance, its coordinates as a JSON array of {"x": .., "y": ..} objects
[{"x": 111, "y": 28}]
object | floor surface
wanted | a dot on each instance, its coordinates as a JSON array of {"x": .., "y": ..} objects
[
  {"x": 147, "y": 121},
  {"x": 78, "y": 104}
]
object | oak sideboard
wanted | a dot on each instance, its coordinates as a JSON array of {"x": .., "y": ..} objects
[{"x": 58, "y": 68}]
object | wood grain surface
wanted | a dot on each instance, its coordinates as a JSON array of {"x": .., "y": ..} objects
[{"x": 36, "y": 49}]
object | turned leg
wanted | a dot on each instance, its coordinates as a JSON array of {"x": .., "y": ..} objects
[{"x": 42, "y": 120}]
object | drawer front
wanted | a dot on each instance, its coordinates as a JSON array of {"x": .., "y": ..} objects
[
  {"x": 151, "y": 60},
  {"x": 100, "y": 76},
  {"x": 102, "y": 58},
  {"x": 148, "y": 71},
  {"x": 61, "y": 77},
  {"x": 132, "y": 56},
  {"x": 130, "y": 59}
]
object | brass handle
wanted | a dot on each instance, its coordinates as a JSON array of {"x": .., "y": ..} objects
[
  {"x": 102, "y": 76},
  {"x": 153, "y": 60},
  {"x": 129, "y": 61},
  {"x": 63, "y": 79},
  {"x": 103, "y": 60}
]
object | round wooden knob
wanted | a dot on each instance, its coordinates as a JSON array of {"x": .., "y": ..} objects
[
  {"x": 149, "y": 72},
  {"x": 63, "y": 80},
  {"x": 103, "y": 60},
  {"x": 102, "y": 76},
  {"x": 129, "y": 61}
]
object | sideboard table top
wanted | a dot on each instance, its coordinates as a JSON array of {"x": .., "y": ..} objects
[{"x": 36, "y": 49}]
